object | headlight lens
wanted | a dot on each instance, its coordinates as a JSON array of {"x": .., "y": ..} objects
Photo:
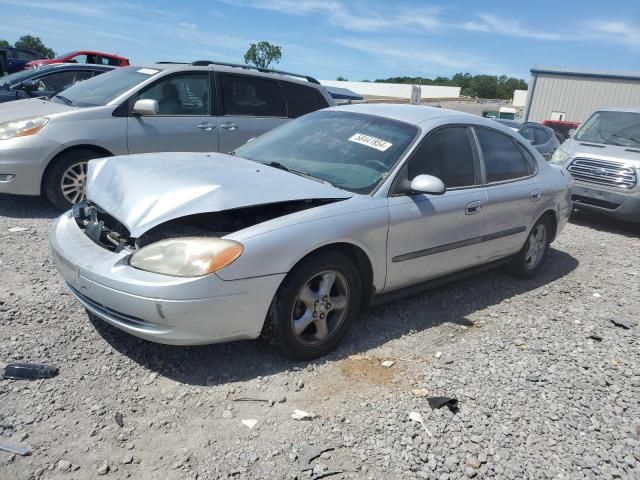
[
  {"x": 186, "y": 257},
  {"x": 559, "y": 157},
  {"x": 22, "y": 128}
]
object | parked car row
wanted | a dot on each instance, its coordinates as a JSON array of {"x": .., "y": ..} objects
[{"x": 14, "y": 59}]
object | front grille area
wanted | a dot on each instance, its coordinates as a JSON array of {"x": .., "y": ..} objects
[
  {"x": 603, "y": 172},
  {"x": 595, "y": 202}
]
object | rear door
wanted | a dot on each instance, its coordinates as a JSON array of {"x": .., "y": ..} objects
[
  {"x": 184, "y": 123},
  {"x": 512, "y": 191},
  {"x": 432, "y": 235},
  {"x": 249, "y": 107}
]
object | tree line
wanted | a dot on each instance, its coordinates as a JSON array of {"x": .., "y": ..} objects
[{"x": 29, "y": 42}]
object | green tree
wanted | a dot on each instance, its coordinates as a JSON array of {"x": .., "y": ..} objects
[
  {"x": 34, "y": 43},
  {"x": 263, "y": 54},
  {"x": 4, "y": 44},
  {"x": 342, "y": 79}
]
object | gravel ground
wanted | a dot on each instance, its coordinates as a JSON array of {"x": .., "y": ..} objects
[{"x": 547, "y": 385}]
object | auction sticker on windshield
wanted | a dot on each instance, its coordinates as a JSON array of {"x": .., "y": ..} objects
[
  {"x": 148, "y": 71},
  {"x": 369, "y": 141}
]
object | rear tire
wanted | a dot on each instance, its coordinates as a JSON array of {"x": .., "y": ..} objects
[
  {"x": 315, "y": 306},
  {"x": 527, "y": 263},
  {"x": 64, "y": 183}
]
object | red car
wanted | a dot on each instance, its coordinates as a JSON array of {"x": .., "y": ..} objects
[{"x": 84, "y": 56}]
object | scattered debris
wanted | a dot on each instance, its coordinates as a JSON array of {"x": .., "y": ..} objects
[
  {"x": 29, "y": 371},
  {"x": 416, "y": 417},
  {"x": 302, "y": 415},
  {"x": 438, "y": 354},
  {"x": 250, "y": 423},
  {"x": 358, "y": 357},
  {"x": 596, "y": 337},
  {"x": 439, "y": 402},
  {"x": 22, "y": 451},
  {"x": 119, "y": 419},
  {"x": 103, "y": 469},
  {"x": 328, "y": 474},
  {"x": 597, "y": 295},
  {"x": 624, "y": 323},
  {"x": 420, "y": 392},
  {"x": 388, "y": 363},
  {"x": 247, "y": 399},
  {"x": 150, "y": 379},
  {"x": 18, "y": 229},
  {"x": 534, "y": 378},
  {"x": 309, "y": 453}
]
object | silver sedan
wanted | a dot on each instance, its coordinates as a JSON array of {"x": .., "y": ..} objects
[{"x": 293, "y": 234}]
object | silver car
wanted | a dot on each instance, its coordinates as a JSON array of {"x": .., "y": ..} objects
[
  {"x": 604, "y": 159},
  {"x": 203, "y": 107},
  {"x": 297, "y": 231},
  {"x": 543, "y": 138}
]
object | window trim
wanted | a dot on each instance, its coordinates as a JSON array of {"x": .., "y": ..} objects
[
  {"x": 129, "y": 102},
  {"x": 286, "y": 102},
  {"x": 220, "y": 97},
  {"x": 518, "y": 146},
  {"x": 403, "y": 172}
]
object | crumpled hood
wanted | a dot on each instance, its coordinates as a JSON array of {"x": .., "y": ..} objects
[
  {"x": 143, "y": 191},
  {"x": 32, "y": 107},
  {"x": 627, "y": 155}
]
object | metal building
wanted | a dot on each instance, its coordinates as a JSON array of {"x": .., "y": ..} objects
[{"x": 571, "y": 95}]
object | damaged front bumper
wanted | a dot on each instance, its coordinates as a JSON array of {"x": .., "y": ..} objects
[{"x": 160, "y": 308}]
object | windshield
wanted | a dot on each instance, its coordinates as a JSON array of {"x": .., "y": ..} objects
[
  {"x": 100, "y": 90},
  {"x": 612, "y": 128},
  {"x": 351, "y": 151}
]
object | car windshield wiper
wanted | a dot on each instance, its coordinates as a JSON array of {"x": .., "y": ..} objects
[
  {"x": 65, "y": 100},
  {"x": 302, "y": 173},
  {"x": 635, "y": 140}
]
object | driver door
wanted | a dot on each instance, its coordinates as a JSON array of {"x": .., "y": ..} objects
[{"x": 433, "y": 235}]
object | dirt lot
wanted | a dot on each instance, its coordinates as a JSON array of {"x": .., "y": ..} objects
[{"x": 547, "y": 384}]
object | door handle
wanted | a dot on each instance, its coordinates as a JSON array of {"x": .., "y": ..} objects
[
  {"x": 536, "y": 195},
  {"x": 229, "y": 126},
  {"x": 473, "y": 207},
  {"x": 207, "y": 127}
]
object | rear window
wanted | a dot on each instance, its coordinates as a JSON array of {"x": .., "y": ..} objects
[
  {"x": 503, "y": 159},
  {"x": 302, "y": 99},
  {"x": 251, "y": 96}
]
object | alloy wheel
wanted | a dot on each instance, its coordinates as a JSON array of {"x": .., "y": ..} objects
[
  {"x": 320, "y": 307},
  {"x": 73, "y": 182},
  {"x": 537, "y": 246}
]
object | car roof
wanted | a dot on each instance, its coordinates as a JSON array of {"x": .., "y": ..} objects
[
  {"x": 71, "y": 66},
  {"x": 417, "y": 114},
  {"x": 242, "y": 70},
  {"x": 618, "y": 109}
]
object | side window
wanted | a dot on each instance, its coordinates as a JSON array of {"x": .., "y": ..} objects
[
  {"x": 542, "y": 136},
  {"x": 251, "y": 96},
  {"x": 528, "y": 133},
  {"x": 23, "y": 55},
  {"x": 57, "y": 82},
  {"x": 503, "y": 160},
  {"x": 80, "y": 59},
  {"x": 448, "y": 155},
  {"x": 186, "y": 94},
  {"x": 114, "y": 62},
  {"x": 302, "y": 99}
]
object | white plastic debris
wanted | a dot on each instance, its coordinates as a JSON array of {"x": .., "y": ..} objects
[
  {"x": 302, "y": 415},
  {"x": 597, "y": 295},
  {"x": 420, "y": 392},
  {"x": 17, "y": 229},
  {"x": 388, "y": 363},
  {"x": 416, "y": 417},
  {"x": 438, "y": 354},
  {"x": 250, "y": 422}
]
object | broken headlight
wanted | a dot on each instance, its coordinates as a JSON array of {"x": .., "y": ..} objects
[{"x": 186, "y": 257}]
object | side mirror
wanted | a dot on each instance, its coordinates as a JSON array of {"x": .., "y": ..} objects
[
  {"x": 28, "y": 86},
  {"x": 427, "y": 184},
  {"x": 146, "y": 107},
  {"x": 572, "y": 132}
]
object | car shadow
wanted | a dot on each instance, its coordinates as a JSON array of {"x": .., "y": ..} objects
[
  {"x": 19, "y": 206},
  {"x": 237, "y": 361},
  {"x": 603, "y": 223}
]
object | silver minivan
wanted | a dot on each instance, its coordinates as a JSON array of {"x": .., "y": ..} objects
[
  {"x": 604, "y": 158},
  {"x": 45, "y": 145}
]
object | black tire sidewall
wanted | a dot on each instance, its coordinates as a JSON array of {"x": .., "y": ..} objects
[
  {"x": 53, "y": 178},
  {"x": 519, "y": 263},
  {"x": 279, "y": 322}
]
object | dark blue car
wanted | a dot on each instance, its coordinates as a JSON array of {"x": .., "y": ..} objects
[
  {"x": 46, "y": 81},
  {"x": 17, "y": 58}
]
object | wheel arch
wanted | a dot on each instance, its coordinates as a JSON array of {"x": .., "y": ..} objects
[
  {"x": 66, "y": 151},
  {"x": 360, "y": 259},
  {"x": 552, "y": 215}
]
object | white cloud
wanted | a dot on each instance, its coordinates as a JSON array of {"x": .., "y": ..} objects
[
  {"x": 351, "y": 16},
  {"x": 615, "y": 31},
  {"x": 510, "y": 27},
  {"x": 192, "y": 26}
]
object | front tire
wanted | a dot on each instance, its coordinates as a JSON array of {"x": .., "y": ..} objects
[
  {"x": 527, "y": 263},
  {"x": 64, "y": 183},
  {"x": 315, "y": 306}
]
